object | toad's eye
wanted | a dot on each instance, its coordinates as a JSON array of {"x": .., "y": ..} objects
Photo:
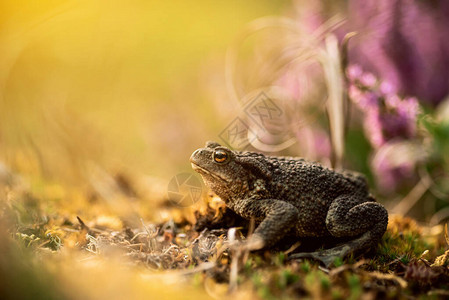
[{"x": 220, "y": 156}]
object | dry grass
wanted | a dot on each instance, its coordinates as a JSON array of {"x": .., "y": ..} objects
[{"x": 100, "y": 255}]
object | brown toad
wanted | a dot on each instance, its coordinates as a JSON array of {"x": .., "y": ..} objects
[{"x": 285, "y": 195}]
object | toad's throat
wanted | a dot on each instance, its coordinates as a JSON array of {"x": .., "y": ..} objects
[{"x": 206, "y": 172}]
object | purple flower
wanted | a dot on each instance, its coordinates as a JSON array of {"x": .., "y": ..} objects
[
  {"x": 386, "y": 115},
  {"x": 314, "y": 143},
  {"x": 399, "y": 117},
  {"x": 389, "y": 173},
  {"x": 394, "y": 163},
  {"x": 404, "y": 42},
  {"x": 389, "y": 122},
  {"x": 373, "y": 127}
]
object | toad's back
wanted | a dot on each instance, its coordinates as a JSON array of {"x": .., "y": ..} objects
[{"x": 299, "y": 180}]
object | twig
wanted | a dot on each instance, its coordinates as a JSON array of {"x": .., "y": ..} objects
[
  {"x": 83, "y": 225},
  {"x": 396, "y": 260},
  {"x": 137, "y": 235},
  {"x": 382, "y": 276},
  {"x": 439, "y": 216},
  {"x": 330, "y": 60},
  {"x": 344, "y": 65},
  {"x": 353, "y": 267},
  {"x": 252, "y": 226},
  {"x": 292, "y": 248},
  {"x": 151, "y": 236},
  {"x": 235, "y": 261},
  {"x": 446, "y": 233},
  {"x": 404, "y": 206}
]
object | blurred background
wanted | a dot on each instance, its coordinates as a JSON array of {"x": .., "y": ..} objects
[
  {"x": 95, "y": 90},
  {"x": 102, "y": 103},
  {"x": 97, "y": 95},
  {"x": 118, "y": 85}
]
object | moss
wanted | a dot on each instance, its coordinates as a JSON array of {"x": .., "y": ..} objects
[{"x": 269, "y": 274}]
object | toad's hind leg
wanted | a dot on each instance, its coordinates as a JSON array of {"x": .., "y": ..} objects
[{"x": 348, "y": 217}]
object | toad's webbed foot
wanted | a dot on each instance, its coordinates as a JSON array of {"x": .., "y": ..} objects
[
  {"x": 327, "y": 257},
  {"x": 326, "y": 260}
]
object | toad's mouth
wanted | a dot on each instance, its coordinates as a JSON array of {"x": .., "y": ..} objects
[{"x": 206, "y": 172}]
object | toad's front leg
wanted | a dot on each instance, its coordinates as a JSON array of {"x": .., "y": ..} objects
[{"x": 276, "y": 218}]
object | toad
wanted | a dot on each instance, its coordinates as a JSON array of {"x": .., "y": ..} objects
[{"x": 287, "y": 195}]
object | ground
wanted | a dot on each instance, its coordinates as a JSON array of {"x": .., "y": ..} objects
[{"x": 51, "y": 251}]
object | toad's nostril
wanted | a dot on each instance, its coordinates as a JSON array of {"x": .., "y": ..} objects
[{"x": 195, "y": 154}]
